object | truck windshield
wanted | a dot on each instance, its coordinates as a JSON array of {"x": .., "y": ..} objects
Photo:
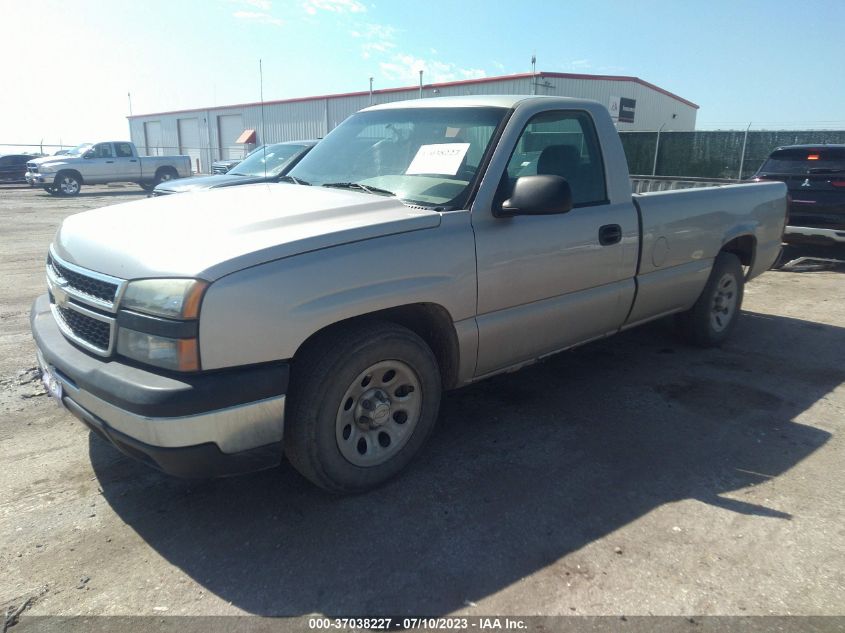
[
  {"x": 270, "y": 161},
  {"x": 424, "y": 156},
  {"x": 79, "y": 149},
  {"x": 804, "y": 160}
]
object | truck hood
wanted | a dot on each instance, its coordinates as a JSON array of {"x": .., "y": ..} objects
[
  {"x": 199, "y": 183},
  {"x": 213, "y": 233},
  {"x": 55, "y": 160}
]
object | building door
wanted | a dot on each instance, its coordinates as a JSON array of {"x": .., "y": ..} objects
[
  {"x": 229, "y": 128},
  {"x": 152, "y": 138},
  {"x": 189, "y": 140}
]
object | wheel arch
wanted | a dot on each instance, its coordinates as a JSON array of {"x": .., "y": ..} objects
[
  {"x": 744, "y": 247},
  {"x": 430, "y": 321},
  {"x": 72, "y": 172}
]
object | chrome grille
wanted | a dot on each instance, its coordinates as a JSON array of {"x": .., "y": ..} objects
[
  {"x": 84, "y": 303},
  {"x": 86, "y": 329},
  {"x": 83, "y": 284}
]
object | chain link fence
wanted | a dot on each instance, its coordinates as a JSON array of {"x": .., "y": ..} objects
[
  {"x": 702, "y": 154},
  {"x": 716, "y": 154}
]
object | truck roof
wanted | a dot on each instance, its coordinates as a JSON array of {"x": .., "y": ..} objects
[{"x": 499, "y": 101}]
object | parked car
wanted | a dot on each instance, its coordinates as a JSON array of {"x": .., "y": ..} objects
[
  {"x": 13, "y": 167},
  {"x": 815, "y": 178},
  {"x": 112, "y": 161},
  {"x": 269, "y": 165},
  {"x": 223, "y": 166},
  {"x": 421, "y": 246}
]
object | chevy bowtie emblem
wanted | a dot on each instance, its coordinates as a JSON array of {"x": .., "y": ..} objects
[
  {"x": 60, "y": 295},
  {"x": 806, "y": 182}
]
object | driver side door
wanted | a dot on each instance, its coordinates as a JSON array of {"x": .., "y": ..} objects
[{"x": 547, "y": 282}]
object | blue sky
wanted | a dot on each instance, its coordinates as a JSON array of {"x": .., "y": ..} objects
[{"x": 776, "y": 64}]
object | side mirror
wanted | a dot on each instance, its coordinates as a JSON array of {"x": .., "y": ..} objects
[
  {"x": 537, "y": 195},
  {"x": 88, "y": 154}
]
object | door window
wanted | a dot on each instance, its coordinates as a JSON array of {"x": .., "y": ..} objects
[
  {"x": 124, "y": 150},
  {"x": 102, "y": 150},
  {"x": 560, "y": 143}
]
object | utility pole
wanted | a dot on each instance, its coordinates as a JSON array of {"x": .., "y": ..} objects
[
  {"x": 656, "y": 150},
  {"x": 421, "y": 73},
  {"x": 742, "y": 158},
  {"x": 533, "y": 73},
  {"x": 371, "y": 91},
  {"x": 129, "y": 95}
]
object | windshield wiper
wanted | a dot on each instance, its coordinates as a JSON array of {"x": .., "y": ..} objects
[
  {"x": 294, "y": 180},
  {"x": 360, "y": 187},
  {"x": 825, "y": 170}
]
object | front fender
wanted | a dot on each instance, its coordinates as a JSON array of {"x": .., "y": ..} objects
[{"x": 264, "y": 313}]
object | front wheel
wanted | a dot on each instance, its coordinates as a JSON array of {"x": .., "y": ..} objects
[
  {"x": 713, "y": 317},
  {"x": 67, "y": 184},
  {"x": 363, "y": 401},
  {"x": 148, "y": 186}
]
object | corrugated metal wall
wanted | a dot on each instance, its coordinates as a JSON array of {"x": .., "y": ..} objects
[{"x": 314, "y": 118}]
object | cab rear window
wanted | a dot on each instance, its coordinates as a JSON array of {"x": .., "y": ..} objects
[{"x": 806, "y": 161}]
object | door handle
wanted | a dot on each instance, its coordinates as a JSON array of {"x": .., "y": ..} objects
[
  {"x": 109, "y": 161},
  {"x": 610, "y": 234}
]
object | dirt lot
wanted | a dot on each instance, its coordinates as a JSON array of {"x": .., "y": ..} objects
[{"x": 631, "y": 476}]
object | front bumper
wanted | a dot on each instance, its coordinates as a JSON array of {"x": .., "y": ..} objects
[
  {"x": 813, "y": 235},
  {"x": 39, "y": 179},
  {"x": 189, "y": 425}
]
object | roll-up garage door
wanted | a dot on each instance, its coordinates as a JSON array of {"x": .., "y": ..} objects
[
  {"x": 230, "y": 127},
  {"x": 152, "y": 138},
  {"x": 189, "y": 140}
]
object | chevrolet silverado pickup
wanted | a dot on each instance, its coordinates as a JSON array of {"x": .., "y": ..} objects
[
  {"x": 104, "y": 163},
  {"x": 421, "y": 246}
]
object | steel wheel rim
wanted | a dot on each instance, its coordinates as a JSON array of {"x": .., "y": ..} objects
[
  {"x": 724, "y": 302},
  {"x": 165, "y": 177},
  {"x": 69, "y": 185},
  {"x": 378, "y": 413}
]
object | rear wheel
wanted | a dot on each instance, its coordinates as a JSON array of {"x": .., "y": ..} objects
[
  {"x": 363, "y": 401},
  {"x": 713, "y": 317},
  {"x": 165, "y": 174},
  {"x": 148, "y": 186},
  {"x": 67, "y": 184}
]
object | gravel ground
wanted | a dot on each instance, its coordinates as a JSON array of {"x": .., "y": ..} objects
[{"x": 631, "y": 476}]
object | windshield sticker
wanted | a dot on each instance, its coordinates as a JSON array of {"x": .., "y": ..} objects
[{"x": 441, "y": 158}]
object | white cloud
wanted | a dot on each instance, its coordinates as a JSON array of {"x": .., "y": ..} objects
[
  {"x": 406, "y": 68},
  {"x": 380, "y": 39},
  {"x": 263, "y": 5},
  {"x": 257, "y": 17},
  {"x": 334, "y": 6}
]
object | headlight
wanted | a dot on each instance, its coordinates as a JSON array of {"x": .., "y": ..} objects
[
  {"x": 44, "y": 169},
  {"x": 178, "y": 354},
  {"x": 170, "y": 298}
]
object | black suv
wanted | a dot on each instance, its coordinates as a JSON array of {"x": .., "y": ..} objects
[
  {"x": 13, "y": 167},
  {"x": 815, "y": 177}
]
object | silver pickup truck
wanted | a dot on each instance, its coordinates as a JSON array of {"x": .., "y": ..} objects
[
  {"x": 113, "y": 161},
  {"x": 419, "y": 247}
]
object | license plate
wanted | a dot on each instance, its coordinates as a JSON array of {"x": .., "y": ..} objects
[{"x": 51, "y": 383}]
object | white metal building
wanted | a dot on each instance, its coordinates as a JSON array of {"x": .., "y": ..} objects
[{"x": 220, "y": 132}]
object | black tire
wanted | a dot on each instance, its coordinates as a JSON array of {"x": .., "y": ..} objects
[
  {"x": 165, "y": 174},
  {"x": 51, "y": 190},
  {"x": 67, "y": 183},
  {"x": 713, "y": 317},
  {"x": 148, "y": 186},
  {"x": 323, "y": 375}
]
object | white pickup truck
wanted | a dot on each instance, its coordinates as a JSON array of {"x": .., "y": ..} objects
[
  {"x": 419, "y": 247},
  {"x": 112, "y": 161}
]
